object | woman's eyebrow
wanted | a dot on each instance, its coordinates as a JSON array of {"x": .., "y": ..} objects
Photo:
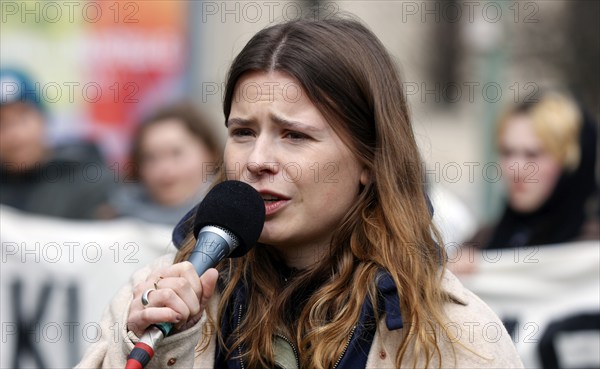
[
  {"x": 292, "y": 125},
  {"x": 238, "y": 122}
]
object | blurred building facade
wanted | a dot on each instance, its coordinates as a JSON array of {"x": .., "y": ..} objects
[{"x": 462, "y": 61}]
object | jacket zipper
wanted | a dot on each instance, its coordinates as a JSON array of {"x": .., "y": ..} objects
[
  {"x": 239, "y": 322},
  {"x": 279, "y": 335},
  {"x": 345, "y": 348},
  {"x": 293, "y": 348}
]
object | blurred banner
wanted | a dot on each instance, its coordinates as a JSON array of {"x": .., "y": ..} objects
[
  {"x": 56, "y": 278},
  {"x": 99, "y": 65},
  {"x": 548, "y": 298}
]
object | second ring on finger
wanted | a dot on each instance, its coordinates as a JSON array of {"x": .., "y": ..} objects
[{"x": 146, "y": 295}]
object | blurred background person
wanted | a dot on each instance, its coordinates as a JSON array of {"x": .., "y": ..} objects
[
  {"x": 548, "y": 154},
  {"x": 173, "y": 159},
  {"x": 67, "y": 180},
  {"x": 548, "y": 159}
]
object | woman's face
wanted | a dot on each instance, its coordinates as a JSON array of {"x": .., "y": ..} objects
[
  {"x": 281, "y": 145},
  {"x": 529, "y": 171},
  {"x": 173, "y": 162}
]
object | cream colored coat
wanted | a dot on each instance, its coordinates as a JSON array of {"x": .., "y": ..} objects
[{"x": 470, "y": 321}]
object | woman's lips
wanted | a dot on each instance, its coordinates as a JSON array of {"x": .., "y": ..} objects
[
  {"x": 271, "y": 207},
  {"x": 273, "y": 202}
]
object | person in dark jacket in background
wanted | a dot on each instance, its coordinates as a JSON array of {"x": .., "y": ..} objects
[{"x": 68, "y": 181}]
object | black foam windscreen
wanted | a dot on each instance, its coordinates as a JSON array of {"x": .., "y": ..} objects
[{"x": 236, "y": 207}]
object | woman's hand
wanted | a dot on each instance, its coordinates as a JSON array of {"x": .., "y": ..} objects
[{"x": 180, "y": 298}]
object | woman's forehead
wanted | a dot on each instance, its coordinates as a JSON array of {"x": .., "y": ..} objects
[{"x": 260, "y": 85}]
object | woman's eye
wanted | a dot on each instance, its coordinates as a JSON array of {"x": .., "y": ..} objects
[
  {"x": 532, "y": 155},
  {"x": 295, "y": 135},
  {"x": 241, "y": 132}
]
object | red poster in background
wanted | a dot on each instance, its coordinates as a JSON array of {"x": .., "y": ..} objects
[{"x": 135, "y": 57}]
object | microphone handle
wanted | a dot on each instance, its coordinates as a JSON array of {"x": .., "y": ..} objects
[{"x": 213, "y": 244}]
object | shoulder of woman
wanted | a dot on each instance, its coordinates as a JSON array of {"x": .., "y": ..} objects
[
  {"x": 472, "y": 336},
  {"x": 475, "y": 332},
  {"x": 464, "y": 306}
]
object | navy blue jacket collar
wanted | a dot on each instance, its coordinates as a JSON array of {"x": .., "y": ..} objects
[{"x": 361, "y": 338}]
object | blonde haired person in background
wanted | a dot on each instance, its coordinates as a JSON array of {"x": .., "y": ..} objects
[
  {"x": 346, "y": 273},
  {"x": 548, "y": 159},
  {"x": 548, "y": 156}
]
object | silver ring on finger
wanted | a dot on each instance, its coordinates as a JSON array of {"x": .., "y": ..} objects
[{"x": 145, "y": 295}]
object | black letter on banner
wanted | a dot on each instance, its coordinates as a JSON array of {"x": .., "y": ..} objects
[
  {"x": 26, "y": 328},
  {"x": 581, "y": 322},
  {"x": 511, "y": 324}
]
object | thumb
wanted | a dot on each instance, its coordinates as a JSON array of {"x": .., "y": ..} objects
[{"x": 208, "y": 280}]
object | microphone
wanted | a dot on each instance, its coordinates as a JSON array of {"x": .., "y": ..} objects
[{"x": 228, "y": 223}]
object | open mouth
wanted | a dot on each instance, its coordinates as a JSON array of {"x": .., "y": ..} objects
[
  {"x": 270, "y": 198},
  {"x": 273, "y": 202}
]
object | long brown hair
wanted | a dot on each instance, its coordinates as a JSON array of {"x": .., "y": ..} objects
[{"x": 349, "y": 76}]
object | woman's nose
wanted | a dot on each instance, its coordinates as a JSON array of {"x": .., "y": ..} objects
[{"x": 262, "y": 160}]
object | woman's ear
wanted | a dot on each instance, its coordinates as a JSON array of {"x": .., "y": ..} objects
[{"x": 365, "y": 176}]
